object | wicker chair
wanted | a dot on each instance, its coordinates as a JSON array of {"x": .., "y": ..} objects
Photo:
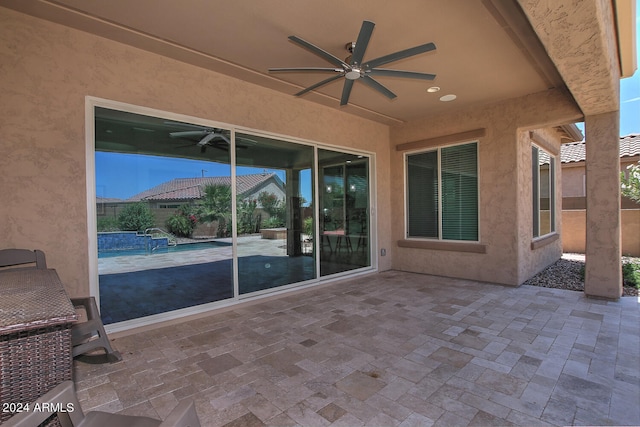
[
  {"x": 22, "y": 257},
  {"x": 65, "y": 403},
  {"x": 85, "y": 336}
]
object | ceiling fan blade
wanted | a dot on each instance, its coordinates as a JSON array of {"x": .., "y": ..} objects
[
  {"x": 224, "y": 138},
  {"x": 320, "y": 52},
  {"x": 204, "y": 141},
  {"x": 399, "y": 55},
  {"x": 346, "y": 91},
  {"x": 377, "y": 86},
  {"x": 399, "y": 73},
  {"x": 317, "y": 85},
  {"x": 187, "y": 133},
  {"x": 306, "y": 69},
  {"x": 363, "y": 41}
]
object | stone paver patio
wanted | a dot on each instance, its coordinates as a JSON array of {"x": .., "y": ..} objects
[{"x": 383, "y": 350}]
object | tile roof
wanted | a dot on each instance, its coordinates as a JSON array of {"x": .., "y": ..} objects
[
  {"x": 575, "y": 151},
  {"x": 193, "y": 188},
  {"x": 107, "y": 200}
]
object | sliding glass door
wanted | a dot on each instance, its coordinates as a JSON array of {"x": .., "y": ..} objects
[
  {"x": 163, "y": 205},
  {"x": 275, "y": 220},
  {"x": 344, "y": 216},
  {"x": 190, "y": 212}
]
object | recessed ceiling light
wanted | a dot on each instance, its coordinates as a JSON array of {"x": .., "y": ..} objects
[
  {"x": 433, "y": 89},
  {"x": 447, "y": 98}
]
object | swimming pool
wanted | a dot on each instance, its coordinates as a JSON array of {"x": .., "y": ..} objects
[{"x": 178, "y": 248}]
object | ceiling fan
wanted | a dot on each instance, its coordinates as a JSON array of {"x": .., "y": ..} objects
[
  {"x": 352, "y": 68},
  {"x": 206, "y": 136}
]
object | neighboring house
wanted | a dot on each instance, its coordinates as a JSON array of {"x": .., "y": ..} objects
[
  {"x": 165, "y": 198},
  {"x": 452, "y": 177},
  {"x": 108, "y": 206},
  {"x": 171, "y": 194},
  {"x": 574, "y": 201}
]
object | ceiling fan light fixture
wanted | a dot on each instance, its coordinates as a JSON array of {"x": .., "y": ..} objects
[{"x": 353, "y": 74}]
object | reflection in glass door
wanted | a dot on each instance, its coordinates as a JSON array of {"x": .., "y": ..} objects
[
  {"x": 174, "y": 223},
  {"x": 344, "y": 214},
  {"x": 275, "y": 220},
  {"x": 163, "y": 205}
]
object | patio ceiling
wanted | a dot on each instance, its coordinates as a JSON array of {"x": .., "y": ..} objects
[{"x": 486, "y": 50}]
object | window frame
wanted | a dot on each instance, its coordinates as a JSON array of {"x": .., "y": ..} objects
[
  {"x": 91, "y": 103},
  {"x": 536, "y": 186},
  {"x": 438, "y": 151}
]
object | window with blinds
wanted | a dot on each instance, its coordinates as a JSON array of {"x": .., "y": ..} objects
[{"x": 442, "y": 193}]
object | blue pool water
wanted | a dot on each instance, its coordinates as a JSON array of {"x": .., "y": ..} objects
[{"x": 170, "y": 249}]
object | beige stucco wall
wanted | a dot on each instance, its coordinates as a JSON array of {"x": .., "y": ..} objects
[
  {"x": 574, "y": 231},
  {"x": 531, "y": 261},
  {"x": 573, "y": 176},
  {"x": 573, "y": 180},
  {"x": 581, "y": 41},
  {"x": 505, "y": 185},
  {"x": 46, "y": 72}
]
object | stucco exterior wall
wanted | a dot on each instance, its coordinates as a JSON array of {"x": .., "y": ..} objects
[
  {"x": 505, "y": 190},
  {"x": 573, "y": 180},
  {"x": 47, "y": 71},
  {"x": 548, "y": 249},
  {"x": 573, "y": 176},
  {"x": 574, "y": 231}
]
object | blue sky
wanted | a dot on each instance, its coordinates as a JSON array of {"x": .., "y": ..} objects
[
  {"x": 630, "y": 94},
  {"x": 124, "y": 175}
]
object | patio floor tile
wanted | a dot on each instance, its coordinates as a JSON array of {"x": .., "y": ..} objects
[{"x": 393, "y": 349}]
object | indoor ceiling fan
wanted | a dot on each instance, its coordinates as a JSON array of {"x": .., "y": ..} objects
[
  {"x": 352, "y": 68},
  {"x": 205, "y": 136}
]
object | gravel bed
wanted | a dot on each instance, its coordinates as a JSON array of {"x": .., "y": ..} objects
[{"x": 566, "y": 273}]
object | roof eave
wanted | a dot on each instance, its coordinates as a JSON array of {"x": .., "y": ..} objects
[
  {"x": 625, "y": 11},
  {"x": 573, "y": 133}
]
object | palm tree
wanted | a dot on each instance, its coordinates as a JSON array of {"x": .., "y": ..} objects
[{"x": 216, "y": 206}]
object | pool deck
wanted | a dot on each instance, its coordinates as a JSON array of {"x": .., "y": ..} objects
[{"x": 247, "y": 246}]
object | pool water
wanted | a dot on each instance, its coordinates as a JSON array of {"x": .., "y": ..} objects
[{"x": 178, "y": 248}]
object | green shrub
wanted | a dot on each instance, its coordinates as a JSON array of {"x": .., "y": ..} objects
[
  {"x": 183, "y": 222},
  {"x": 272, "y": 222},
  {"x": 275, "y": 207},
  {"x": 245, "y": 210},
  {"x": 307, "y": 227},
  {"x": 136, "y": 217},
  {"x": 630, "y": 182},
  {"x": 631, "y": 274},
  {"x": 107, "y": 224}
]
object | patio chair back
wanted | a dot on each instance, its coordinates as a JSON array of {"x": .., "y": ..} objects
[
  {"x": 85, "y": 336},
  {"x": 22, "y": 257}
]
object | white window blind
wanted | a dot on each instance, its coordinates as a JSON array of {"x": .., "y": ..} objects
[{"x": 442, "y": 193}]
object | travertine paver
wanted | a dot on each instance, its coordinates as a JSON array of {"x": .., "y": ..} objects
[{"x": 387, "y": 349}]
